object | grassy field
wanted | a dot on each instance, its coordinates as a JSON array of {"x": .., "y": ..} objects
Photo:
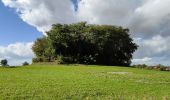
[{"x": 52, "y": 82}]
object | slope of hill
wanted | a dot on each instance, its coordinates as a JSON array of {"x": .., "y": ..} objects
[{"x": 83, "y": 82}]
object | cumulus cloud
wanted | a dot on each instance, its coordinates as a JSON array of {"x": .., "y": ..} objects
[
  {"x": 43, "y": 13},
  {"x": 148, "y": 20},
  {"x": 145, "y": 18},
  {"x": 153, "y": 17},
  {"x": 117, "y": 12},
  {"x": 157, "y": 48},
  {"x": 17, "y": 53},
  {"x": 142, "y": 60}
]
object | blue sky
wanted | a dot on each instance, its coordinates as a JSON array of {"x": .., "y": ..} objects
[
  {"x": 13, "y": 29},
  {"x": 23, "y": 21}
]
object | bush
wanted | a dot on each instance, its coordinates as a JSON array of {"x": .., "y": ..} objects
[
  {"x": 45, "y": 60},
  {"x": 140, "y": 66},
  {"x": 157, "y": 67},
  {"x": 150, "y": 67},
  {"x": 36, "y": 60},
  {"x": 68, "y": 60},
  {"x": 89, "y": 59},
  {"x": 60, "y": 60},
  {"x": 160, "y": 67},
  {"x": 65, "y": 60}
]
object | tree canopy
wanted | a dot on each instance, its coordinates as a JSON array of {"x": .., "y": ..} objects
[
  {"x": 25, "y": 64},
  {"x": 84, "y": 43},
  {"x": 4, "y": 62}
]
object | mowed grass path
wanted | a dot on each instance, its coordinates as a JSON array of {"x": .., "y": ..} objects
[{"x": 55, "y": 82}]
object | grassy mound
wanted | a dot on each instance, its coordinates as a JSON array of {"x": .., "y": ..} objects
[{"x": 49, "y": 82}]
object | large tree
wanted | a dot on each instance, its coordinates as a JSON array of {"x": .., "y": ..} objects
[{"x": 89, "y": 44}]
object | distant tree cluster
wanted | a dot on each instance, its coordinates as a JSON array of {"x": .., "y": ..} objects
[
  {"x": 159, "y": 67},
  {"x": 25, "y": 64},
  {"x": 85, "y": 44},
  {"x": 4, "y": 62}
]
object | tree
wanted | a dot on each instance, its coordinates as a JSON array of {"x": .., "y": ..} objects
[
  {"x": 25, "y": 64},
  {"x": 87, "y": 44},
  {"x": 43, "y": 50},
  {"x": 4, "y": 62},
  {"x": 39, "y": 47}
]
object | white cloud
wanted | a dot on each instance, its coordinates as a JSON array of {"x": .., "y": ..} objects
[
  {"x": 142, "y": 60},
  {"x": 157, "y": 48},
  {"x": 155, "y": 10},
  {"x": 117, "y": 12},
  {"x": 145, "y": 18},
  {"x": 148, "y": 20},
  {"x": 153, "y": 17},
  {"x": 43, "y": 13},
  {"x": 17, "y": 53},
  {"x": 152, "y": 61}
]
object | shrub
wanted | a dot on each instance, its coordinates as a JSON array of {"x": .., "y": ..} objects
[
  {"x": 36, "y": 60},
  {"x": 160, "y": 67},
  {"x": 65, "y": 60},
  {"x": 60, "y": 59},
  {"x": 150, "y": 67},
  {"x": 157, "y": 67},
  {"x": 45, "y": 60},
  {"x": 89, "y": 59},
  {"x": 141, "y": 66}
]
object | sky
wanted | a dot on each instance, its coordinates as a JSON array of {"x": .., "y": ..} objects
[{"x": 23, "y": 21}]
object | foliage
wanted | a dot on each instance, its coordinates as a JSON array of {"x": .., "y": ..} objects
[
  {"x": 43, "y": 50},
  {"x": 160, "y": 67},
  {"x": 140, "y": 66},
  {"x": 157, "y": 67},
  {"x": 4, "y": 62},
  {"x": 87, "y": 44},
  {"x": 39, "y": 47},
  {"x": 36, "y": 60},
  {"x": 60, "y": 60},
  {"x": 25, "y": 64}
]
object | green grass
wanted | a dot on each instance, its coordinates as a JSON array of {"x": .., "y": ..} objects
[{"x": 55, "y": 82}]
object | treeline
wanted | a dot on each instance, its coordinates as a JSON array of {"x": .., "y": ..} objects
[
  {"x": 82, "y": 43},
  {"x": 158, "y": 67},
  {"x": 4, "y": 63}
]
